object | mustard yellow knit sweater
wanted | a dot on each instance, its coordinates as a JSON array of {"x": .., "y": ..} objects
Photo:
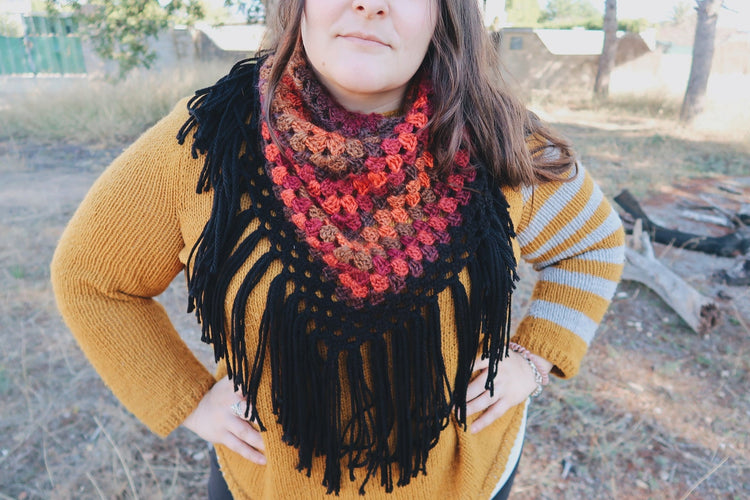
[{"x": 133, "y": 233}]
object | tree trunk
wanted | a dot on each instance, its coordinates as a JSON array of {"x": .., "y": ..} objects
[
  {"x": 703, "y": 54},
  {"x": 609, "y": 50}
]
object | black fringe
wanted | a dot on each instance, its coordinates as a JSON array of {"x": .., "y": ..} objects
[
  {"x": 385, "y": 360},
  {"x": 218, "y": 116}
]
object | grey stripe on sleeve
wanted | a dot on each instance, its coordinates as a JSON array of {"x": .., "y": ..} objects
[
  {"x": 605, "y": 229},
  {"x": 575, "y": 224},
  {"x": 551, "y": 208},
  {"x": 568, "y": 318},
  {"x": 606, "y": 255},
  {"x": 604, "y": 288}
]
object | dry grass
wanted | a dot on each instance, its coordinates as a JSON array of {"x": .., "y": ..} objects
[
  {"x": 635, "y": 140},
  {"x": 725, "y": 117},
  {"x": 62, "y": 434},
  {"x": 654, "y": 414},
  {"x": 657, "y": 411},
  {"x": 84, "y": 111}
]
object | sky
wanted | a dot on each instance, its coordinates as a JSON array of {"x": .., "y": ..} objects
[
  {"x": 738, "y": 14},
  {"x": 653, "y": 10}
]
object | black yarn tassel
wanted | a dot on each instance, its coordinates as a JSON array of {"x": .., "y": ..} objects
[
  {"x": 219, "y": 123},
  {"x": 467, "y": 327},
  {"x": 493, "y": 276},
  {"x": 393, "y": 418}
]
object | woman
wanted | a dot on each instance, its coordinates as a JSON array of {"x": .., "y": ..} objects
[{"x": 363, "y": 193}]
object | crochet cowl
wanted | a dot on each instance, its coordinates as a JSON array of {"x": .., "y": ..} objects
[
  {"x": 361, "y": 189},
  {"x": 368, "y": 235}
]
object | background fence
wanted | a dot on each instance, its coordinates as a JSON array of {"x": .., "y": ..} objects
[{"x": 50, "y": 45}]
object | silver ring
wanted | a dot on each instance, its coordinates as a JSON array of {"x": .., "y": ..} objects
[{"x": 238, "y": 410}]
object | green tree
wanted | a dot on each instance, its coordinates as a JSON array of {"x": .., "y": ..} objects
[
  {"x": 122, "y": 30},
  {"x": 567, "y": 11},
  {"x": 681, "y": 11},
  {"x": 255, "y": 11},
  {"x": 523, "y": 12},
  {"x": 633, "y": 25},
  {"x": 9, "y": 26}
]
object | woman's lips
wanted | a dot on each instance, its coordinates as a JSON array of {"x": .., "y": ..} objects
[{"x": 364, "y": 39}]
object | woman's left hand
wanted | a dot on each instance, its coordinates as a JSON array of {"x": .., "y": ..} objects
[{"x": 514, "y": 383}]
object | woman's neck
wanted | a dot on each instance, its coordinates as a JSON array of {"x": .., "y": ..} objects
[{"x": 365, "y": 103}]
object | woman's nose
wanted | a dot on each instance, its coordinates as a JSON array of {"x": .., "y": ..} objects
[{"x": 371, "y": 8}]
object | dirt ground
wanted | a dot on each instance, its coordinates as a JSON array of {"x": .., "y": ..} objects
[{"x": 658, "y": 411}]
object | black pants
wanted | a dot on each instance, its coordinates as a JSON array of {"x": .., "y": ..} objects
[
  {"x": 218, "y": 489},
  {"x": 217, "y": 486}
]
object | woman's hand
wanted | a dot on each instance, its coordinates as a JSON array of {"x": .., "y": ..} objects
[
  {"x": 214, "y": 421},
  {"x": 514, "y": 383}
]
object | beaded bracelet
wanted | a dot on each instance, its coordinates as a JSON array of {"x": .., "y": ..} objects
[{"x": 541, "y": 377}]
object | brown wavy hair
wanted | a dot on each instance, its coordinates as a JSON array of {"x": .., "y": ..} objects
[{"x": 471, "y": 100}]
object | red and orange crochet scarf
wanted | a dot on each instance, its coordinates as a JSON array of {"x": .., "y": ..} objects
[
  {"x": 368, "y": 234},
  {"x": 361, "y": 189}
]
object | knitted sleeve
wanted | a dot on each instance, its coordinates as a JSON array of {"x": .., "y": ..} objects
[
  {"x": 119, "y": 251},
  {"x": 575, "y": 240}
]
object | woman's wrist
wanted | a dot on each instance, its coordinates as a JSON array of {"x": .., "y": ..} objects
[
  {"x": 539, "y": 366},
  {"x": 541, "y": 363}
]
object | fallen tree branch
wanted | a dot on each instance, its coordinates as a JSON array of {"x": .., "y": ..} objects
[
  {"x": 729, "y": 245},
  {"x": 744, "y": 213},
  {"x": 737, "y": 275},
  {"x": 717, "y": 220},
  {"x": 735, "y": 220},
  {"x": 699, "y": 312}
]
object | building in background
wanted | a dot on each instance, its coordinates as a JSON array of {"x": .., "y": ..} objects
[{"x": 541, "y": 59}]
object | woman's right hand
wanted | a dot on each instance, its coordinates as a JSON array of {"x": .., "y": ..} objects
[{"x": 214, "y": 421}]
